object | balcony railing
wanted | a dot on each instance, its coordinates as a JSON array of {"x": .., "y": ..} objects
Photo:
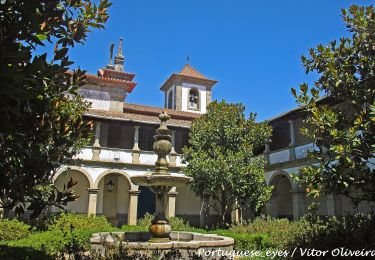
[
  {"x": 290, "y": 153},
  {"x": 106, "y": 154}
]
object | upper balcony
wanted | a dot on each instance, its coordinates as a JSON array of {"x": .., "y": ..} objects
[
  {"x": 117, "y": 155},
  {"x": 287, "y": 143},
  {"x": 130, "y": 143}
]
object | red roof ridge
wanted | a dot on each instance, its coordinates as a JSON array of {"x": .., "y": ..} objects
[
  {"x": 189, "y": 71},
  {"x": 147, "y": 109}
]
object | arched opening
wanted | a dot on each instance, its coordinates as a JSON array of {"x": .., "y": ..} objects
[
  {"x": 80, "y": 189},
  {"x": 193, "y": 99},
  {"x": 281, "y": 201},
  {"x": 113, "y": 198},
  {"x": 170, "y": 99},
  {"x": 146, "y": 202}
]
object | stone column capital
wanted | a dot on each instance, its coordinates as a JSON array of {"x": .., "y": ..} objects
[
  {"x": 92, "y": 191},
  {"x": 172, "y": 194},
  {"x": 134, "y": 192}
]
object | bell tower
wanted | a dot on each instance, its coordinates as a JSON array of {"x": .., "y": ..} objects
[{"x": 188, "y": 90}]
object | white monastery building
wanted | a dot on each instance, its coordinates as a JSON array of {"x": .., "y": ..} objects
[{"x": 122, "y": 148}]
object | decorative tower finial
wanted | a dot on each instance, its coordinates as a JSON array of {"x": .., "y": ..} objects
[
  {"x": 187, "y": 59},
  {"x": 119, "y": 58},
  {"x": 110, "y": 64},
  {"x": 119, "y": 51}
]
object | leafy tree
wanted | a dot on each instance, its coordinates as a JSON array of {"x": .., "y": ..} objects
[
  {"x": 40, "y": 110},
  {"x": 342, "y": 125},
  {"x": 220, "y": 159}
]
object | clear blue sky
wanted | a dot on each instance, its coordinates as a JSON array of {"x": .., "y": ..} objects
[{"x": 252, "y": 48}]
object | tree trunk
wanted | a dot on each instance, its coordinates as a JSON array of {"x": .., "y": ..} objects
[{"x": 224, "y": 210}]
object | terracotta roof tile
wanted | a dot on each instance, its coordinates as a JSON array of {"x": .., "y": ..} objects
[
  {"x": 189, "y": 71},
  {"x": 151, "y": 110},
  {"x": 190, "y": 75},
  {"x": 136, "y": 117},
  {"x": 110, "y": 82}
]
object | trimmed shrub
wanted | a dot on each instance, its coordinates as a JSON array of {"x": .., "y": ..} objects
[
  {"x": 246, "y": 241},
  {"x": 55, "y": 242},
  {"x": 175, "y": 222},
  {"x": 145, "y": 221},
  {"x": 279, "y": 232},
  {"x": 51, "y": 242},
  {"x": 80, "y": 222},
  {"x": 349, "y": 232},
  {"x": 13, "y": 230}
]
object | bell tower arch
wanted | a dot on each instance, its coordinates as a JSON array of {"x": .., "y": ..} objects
[{"x": 188, "y": 90}]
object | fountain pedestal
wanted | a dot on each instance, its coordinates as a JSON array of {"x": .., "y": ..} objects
[{"x": 161, "y": 181}]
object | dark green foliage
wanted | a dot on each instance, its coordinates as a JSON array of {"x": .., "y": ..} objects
[
  {"x": 350, "y": 232},
  {"x": 68, "y": 234},
  {"x": 21, "y": 252},
  {"x": 13, "y": 230},
  {"x": 220, "y": 159},
  {"x": 246, "y": 241},
  {"x": 175, "y": 222},
  {"x": 40, "y": 111},
  {"x": 343, "y": 127},
  {"x": 277, "y": 232},
  {"x": 79, "y": 222}
]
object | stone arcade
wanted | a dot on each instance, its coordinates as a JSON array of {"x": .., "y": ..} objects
[{"x": 122, "y": 149}]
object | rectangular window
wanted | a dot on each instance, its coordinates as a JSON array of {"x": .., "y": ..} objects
[{"x": 146, "y": 138}]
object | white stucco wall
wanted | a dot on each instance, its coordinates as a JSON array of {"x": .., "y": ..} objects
[
  {"x": 186, "y": 202},
  {"x": 99, "y": 99},
  {"x": 202, "y": 97}
]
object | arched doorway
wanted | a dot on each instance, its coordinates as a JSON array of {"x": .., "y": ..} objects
[
  {"x": 281, "y": 202},
  {"x": 113, "y": 198},
  {"x": 146, "y": 202},
  {"x": 80, "y": 189}
]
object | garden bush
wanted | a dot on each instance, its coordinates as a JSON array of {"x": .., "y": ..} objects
[
  {"x": 13, "y": 230},
  {"x": 279, "y": 232},
  {"x": 350, "y": 232},
  {"x": 80, "y": 222},
  {"x": 246, "y": 241},
  {"x": 175, "y": 222},
  {"x": 54, "y": 242}
]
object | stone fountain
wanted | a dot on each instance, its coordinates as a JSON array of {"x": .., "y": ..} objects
[
  {"x": 160, "y": 236},
  {"x": 161, "y": 181}
]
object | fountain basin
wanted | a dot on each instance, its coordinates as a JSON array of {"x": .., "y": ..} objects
[{"x": 185, "y": 242}]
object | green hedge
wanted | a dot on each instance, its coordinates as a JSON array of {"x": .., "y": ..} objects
[
  {"x": 350, "y": 232},
  {"x": 80, "y": 222},
  {"x": 175, "y": 222},
  {"x": 277, "y": 233},
  {"x": 70, "y": 234},
  {"x": 13, "y": 230},
  {"x": 247, "y": 241}
]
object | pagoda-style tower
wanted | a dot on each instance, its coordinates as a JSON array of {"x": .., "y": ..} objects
[{"x": 108, "y": 89}]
